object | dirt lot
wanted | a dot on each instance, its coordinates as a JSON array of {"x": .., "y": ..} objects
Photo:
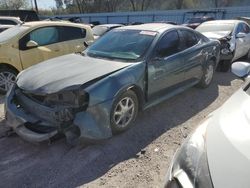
[{"x": 137, "y": 158}]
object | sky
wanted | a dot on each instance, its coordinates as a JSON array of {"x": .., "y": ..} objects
[{"x": 44, "y": 4}]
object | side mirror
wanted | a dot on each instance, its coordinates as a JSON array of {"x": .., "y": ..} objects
[
  {"x": 241, "y": 69},
  {"x": 241, "y": 35},
  {"x": 87, "y": 43},
  {"x": 31, "y": 44}
]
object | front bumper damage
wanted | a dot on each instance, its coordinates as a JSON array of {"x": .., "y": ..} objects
[{"x": 37, "y": 123}]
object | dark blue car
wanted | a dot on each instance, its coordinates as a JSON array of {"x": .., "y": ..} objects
[{"x": 95, "y": 94}]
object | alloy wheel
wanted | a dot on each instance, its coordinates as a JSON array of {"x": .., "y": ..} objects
[
  {"x": 124, "y": 112},
  {"x": 7, "y": 79},
  {"x": 209, "y": 74}
]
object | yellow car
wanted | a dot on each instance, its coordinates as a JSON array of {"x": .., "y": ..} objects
[{"x": 32, "y": 42}]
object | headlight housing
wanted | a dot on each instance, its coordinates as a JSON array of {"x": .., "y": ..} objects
[
  {"x": 189, "y": 167},
  {"x": 225, "y": 47},
  {"x": 72, "y": 99}
]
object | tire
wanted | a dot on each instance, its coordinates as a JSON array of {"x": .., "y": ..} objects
[
  {"x": 207, "y": 76},
  {"x": 7, "y": 79},
  {"x": 124, "y": 112},
  {"x": 224, "y": 66}
]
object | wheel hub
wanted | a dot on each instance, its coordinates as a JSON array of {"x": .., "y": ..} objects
[
  {"x": 7, "y": 79},
  {"x": 124, "y": 112},
  {"x": 209, "y": 74}
]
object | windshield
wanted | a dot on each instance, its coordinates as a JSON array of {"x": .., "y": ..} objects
[
  {"x": 215, "y": 27},
  {"x": 99, "y": 30},
  {"x": 122, "y": 44},
  {"x": 12, "y": 32}
]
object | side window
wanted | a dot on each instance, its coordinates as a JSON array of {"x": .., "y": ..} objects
[
  {"x": 240, "y": 29},
  {"x": 7, "y": 22},
  {"x": 168, "y": 44},
  {"x": 45, "y": 36},
  {"x": 71, "y": 33},
  {"x": 188, "y": 39},
  {"x": 246, "y": 28}
]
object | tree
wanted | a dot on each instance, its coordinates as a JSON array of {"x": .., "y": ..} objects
[
  {"x": 179, "y": 4},
  {"x": 13, "y": 4},
  {"x": 140, "y": 5},
  {"x": 59, "y": 4}
]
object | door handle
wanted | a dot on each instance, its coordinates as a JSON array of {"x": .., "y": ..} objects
[{"x": 57, "y": 50}]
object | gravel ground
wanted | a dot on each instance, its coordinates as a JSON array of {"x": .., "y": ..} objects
[{"x": 137, "y": 158}]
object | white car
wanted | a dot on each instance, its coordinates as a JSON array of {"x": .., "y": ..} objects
[
  {"x": 217, "y": 154},
  {"x": 234, "y": 36},
  {"x": 7, "y": 22}
]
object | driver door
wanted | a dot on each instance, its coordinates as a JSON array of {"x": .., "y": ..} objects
[
  {"x": 45, "y": 46},
  {"x": 165, "y": 68}
]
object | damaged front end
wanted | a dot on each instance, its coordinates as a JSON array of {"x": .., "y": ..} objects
[
  {"x": 227, "y": 48},
  {"x": 38, "y": 118}
]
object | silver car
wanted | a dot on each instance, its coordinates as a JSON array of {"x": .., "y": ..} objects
[
  {"x": 234, "y": 36},
  {"x": 217, "y": 154}
]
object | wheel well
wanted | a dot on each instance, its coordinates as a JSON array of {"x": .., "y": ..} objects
[
  {"x": 5, "y": 65},
  {"x": 139, "y": 94}
]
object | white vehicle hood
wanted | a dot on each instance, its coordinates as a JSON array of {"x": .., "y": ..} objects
[
  {"x": 228, "y": 143},
  {"x": 216, "y": 35}
]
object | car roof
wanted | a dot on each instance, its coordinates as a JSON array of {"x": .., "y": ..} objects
[
  {"x": 53, "y": 23},
  {"x": 151, "y": 27},
  {"x": 9, "y": 17}
]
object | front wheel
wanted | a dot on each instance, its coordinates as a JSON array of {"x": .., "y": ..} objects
[
  {"x": 124, "y": 111},
  {"x": 207, "y": 76},
  {"x": 7, "y": 79}
]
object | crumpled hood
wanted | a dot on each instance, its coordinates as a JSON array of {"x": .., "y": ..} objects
[
  {"x": 216, "y": 35},
  {"x": 63, "y": 72},
  {"x": 228, "y": 143}
]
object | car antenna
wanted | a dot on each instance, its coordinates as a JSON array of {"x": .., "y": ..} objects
[{"x": 25, "y": 19}]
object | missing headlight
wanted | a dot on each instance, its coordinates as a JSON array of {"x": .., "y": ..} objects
[{"x": 73, "y": 99}]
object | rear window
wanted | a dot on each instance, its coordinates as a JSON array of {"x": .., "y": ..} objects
[
  {"x": 72, "y": 33},
  {"x": 7, "y": 22}
]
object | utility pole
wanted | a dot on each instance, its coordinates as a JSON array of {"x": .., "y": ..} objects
[{"x": 36, "y": 7}]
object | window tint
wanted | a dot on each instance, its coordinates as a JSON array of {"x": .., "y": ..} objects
[
  {"x": 44, "y": 36},
  {"x": 72, "y": 33},
  {"x": 246, "y": 28},
  {"x": 240, "y": 29},
  {"x": 7, "y": 22},
  {"x": 168, "y": 44},
  {"x": 188, "y": 39}
]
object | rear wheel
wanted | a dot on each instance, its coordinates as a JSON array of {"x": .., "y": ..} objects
[
  {"x": 7, "y": 79},
  {"x": 124, "y": 111},
  {"x": 208, "y": 74}
]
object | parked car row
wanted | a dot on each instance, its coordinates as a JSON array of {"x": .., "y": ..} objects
[{"x": 91, "y": 94}]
